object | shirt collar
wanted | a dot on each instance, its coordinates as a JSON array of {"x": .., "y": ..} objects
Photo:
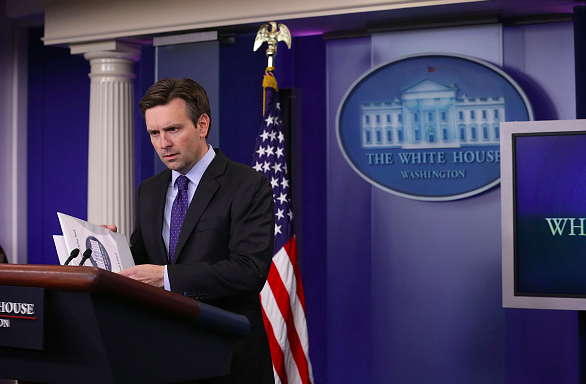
[{"x": 195, "y": 174}]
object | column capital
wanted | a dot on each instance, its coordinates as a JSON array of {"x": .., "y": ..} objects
[
  {"x": 107, "y": 49},
  {"x": 109, "y": 59}
]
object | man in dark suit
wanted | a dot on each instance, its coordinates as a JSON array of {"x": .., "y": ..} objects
[{"x": 221, "y": 253}]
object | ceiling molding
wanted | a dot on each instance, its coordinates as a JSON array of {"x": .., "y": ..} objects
[{"x": 78, "y": 21}]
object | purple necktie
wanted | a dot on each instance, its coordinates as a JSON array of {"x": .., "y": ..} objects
[{"x": 178, "y": 213}]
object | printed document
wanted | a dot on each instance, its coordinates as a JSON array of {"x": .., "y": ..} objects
[{"x": 110, "y": 250}]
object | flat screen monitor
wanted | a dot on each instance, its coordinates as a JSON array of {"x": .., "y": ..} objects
[{"x": 543, "y": 197}]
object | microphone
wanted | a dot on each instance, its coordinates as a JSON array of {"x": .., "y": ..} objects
[
  {"x": 72, "y": 256},
  {"x": 86, "y": 255}
]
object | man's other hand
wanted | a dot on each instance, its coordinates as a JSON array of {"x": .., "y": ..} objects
[{"x": 147, "y": 273}]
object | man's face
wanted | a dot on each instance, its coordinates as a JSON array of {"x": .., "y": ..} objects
[{"x": 178, "y": 143}]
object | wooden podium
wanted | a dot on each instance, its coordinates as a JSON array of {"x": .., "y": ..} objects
[{"x": 100, "y": 327}]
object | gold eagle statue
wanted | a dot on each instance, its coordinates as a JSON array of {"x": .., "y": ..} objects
[{"x": 272, "y": 36}]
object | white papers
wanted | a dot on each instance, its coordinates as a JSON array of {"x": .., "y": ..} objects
[
  {"x": 110, "y": 250},
  {"x": 61, "y": 248}
]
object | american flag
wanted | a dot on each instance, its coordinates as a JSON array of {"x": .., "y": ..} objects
[{"x": 282, "y": 299}]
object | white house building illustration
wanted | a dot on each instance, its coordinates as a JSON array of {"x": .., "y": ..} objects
[{"x": 429, "y": 114}]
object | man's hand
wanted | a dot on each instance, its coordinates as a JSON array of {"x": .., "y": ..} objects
[
  {"x": 147, "y": 273},
  {"x": 111, "y": 227}
]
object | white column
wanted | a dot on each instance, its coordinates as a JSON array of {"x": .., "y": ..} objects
[{"x": 111, "y": 167}]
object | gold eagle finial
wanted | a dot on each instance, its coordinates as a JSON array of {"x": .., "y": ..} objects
[{"x": 272, "y": 37}]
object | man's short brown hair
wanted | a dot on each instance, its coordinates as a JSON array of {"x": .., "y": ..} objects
[{"x": 166, "y": 90}]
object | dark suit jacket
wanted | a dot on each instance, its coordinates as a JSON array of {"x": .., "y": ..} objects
[
  {"x": 3, "y": 258},
  {"x": 223, "y": 253}
]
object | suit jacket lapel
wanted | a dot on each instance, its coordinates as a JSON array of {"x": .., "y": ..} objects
[
  {"x": 204, "y": 193},
  {"x": 158, "y": 211}
]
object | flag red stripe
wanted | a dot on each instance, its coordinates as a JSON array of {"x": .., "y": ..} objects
[
  {"x": 282, "y": 297},
  {"x": 291, "y": 249},
  {"x": 276, "y": 351}
]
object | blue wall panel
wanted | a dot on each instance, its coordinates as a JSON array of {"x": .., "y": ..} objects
[
  {"x": 200, "y": 62},
  {"x": 542, "y": 345},
  {"x": 241, "y": 74},
  {"x": 436, "y": 266},
  {"x": 58, "y": 119},
  {"x": 349, "y": 291},
  {"x": 310, "y": 220},
  {"x": 144, "y": 152}
]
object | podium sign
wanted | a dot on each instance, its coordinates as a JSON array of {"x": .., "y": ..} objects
[{"x": 21, "y": 317}]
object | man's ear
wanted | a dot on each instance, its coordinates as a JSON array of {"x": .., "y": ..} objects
[{"x": 203, "y": 125}]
